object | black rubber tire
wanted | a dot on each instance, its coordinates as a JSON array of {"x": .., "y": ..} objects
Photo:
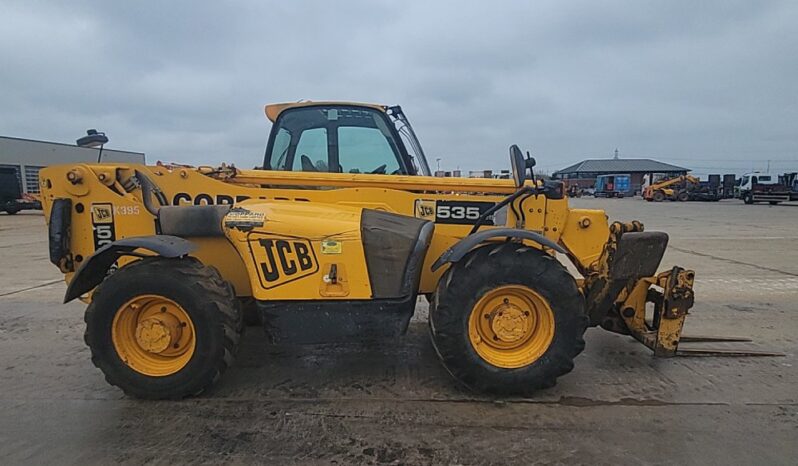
[
  {"x": 486, "y": 268},
  {"x": 748, "y": 198},
  {"x": 201, "y": 292},
  {"x": 658, "y": 196},
  {"x": 774, "y": 202},
  {"x": 12, "y": 211},
  {"x": 683, "y": 196}
]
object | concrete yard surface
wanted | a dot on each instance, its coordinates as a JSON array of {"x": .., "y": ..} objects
[{"x": 393, "y": 403}]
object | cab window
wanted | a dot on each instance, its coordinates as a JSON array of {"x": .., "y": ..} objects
[
  {"x": 365, "y": 150},
  {"x": 311, "y": 151},
  {"x": 281, "y": 141},
  {"x": 337, "y": 139}
]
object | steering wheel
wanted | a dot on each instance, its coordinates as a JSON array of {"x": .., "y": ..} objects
[{"x": 379, "y": 170}]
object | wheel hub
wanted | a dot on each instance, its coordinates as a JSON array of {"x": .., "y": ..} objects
[
  {"x": 156, "y": 334},
  {"x": 510, "y": 323},
  {"x": 511, "y": 326},
  {"x": 153, "y": 335}
]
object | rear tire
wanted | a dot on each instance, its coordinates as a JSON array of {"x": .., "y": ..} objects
[
  {"x": 457, "y": 311},
  {"x": 774, "y": 202},
  {"x": 682, "y": 197},
  {"x": 205, "y": 300}
]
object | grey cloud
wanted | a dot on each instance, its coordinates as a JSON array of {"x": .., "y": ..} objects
[{"x": 186, "y": 81}]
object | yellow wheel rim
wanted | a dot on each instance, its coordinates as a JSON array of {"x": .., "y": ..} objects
[
  {"x": 511, "y": 326},
  {"x": 153, "y": 335}
]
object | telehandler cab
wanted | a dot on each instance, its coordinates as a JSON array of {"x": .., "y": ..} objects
[{"x": 334, "y": 238}]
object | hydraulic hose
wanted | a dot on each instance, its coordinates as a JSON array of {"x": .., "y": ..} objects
[{"x": 148, "y": 189}]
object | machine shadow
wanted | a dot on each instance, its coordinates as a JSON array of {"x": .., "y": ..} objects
[{"x": 405, "y": 367}]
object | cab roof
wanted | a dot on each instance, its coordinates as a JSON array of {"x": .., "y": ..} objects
[{"x": 274, "y": 110}]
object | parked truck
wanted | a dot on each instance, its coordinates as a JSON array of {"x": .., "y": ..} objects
[
  {"x": 12, "y": 200},
  {"x": 766, "y": 187},
  {"x": 613, "y": 186}
]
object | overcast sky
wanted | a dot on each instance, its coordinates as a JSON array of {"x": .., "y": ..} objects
[{"x": 712, "y": 86}]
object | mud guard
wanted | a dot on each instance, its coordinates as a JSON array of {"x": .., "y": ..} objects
[
  {"x": 58, "y": 234},
  {"x": 96, "y": 266},
  {"x": 461, "y": 248}
]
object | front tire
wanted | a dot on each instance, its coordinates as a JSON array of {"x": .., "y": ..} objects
[
  {"x": 163, "y": 328},
  {"x": 658, "y": 196},
  {"x": 507, "y": 319}
]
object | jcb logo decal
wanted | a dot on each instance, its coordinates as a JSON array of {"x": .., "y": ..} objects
[
  {"x": 282, "y": 260},
  {"x": 425, "y": 209},
  {"x": 102, "y": 213},
  {"x": 102, "y": 224}
]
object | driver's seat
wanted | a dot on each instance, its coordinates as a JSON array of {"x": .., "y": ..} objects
[{"x": 307, "y": 164}]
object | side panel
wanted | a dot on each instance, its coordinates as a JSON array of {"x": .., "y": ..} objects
[
  {"x": 290, "y": 256},
  {"x": 584, "y": 235}
]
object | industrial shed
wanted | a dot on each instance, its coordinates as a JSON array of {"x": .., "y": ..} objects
[
  {"x": 27, "y": 157},
  {"x": 584, "y": 173}
]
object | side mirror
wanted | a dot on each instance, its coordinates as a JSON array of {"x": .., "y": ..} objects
[{"x": 518, "y": 165}]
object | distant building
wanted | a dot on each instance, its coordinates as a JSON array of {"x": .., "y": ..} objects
[
  {"x": 501, "y": 174},
  {"x": 28, "y": 156},
  {"x": 448, "y": 174},
  {"x": 480, "y": 173},
  {"x": 585, "y": 172}
]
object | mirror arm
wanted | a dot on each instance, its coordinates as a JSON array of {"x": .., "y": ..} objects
[{"x": 531, "y": 169}]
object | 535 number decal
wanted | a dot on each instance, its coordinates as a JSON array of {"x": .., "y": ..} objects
[
  {"x": 457, "y": 212},
  {"x": 453, "y": 212}
]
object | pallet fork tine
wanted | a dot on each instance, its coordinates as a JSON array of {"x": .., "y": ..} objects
[
  {"x": 710, "y": 338},
  {"x": 714, "y": 352},
  {"x": 664, "y": 334}
]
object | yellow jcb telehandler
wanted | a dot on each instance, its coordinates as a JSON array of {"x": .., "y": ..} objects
[
  {"x": 334, "y": 237},
  {"x": 676, "y": 188}
]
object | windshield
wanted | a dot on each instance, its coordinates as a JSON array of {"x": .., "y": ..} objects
[{"x": 411, "y": 142}]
